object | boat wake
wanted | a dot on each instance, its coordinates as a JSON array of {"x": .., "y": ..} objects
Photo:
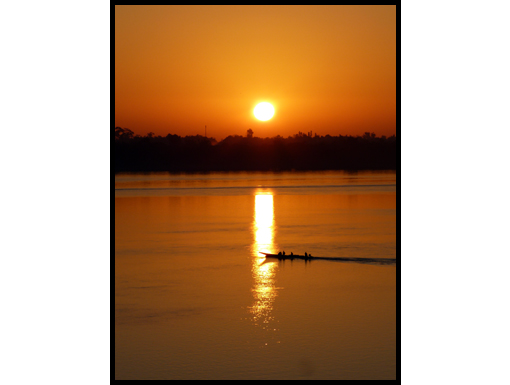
[{"x": 373, "y": 261}]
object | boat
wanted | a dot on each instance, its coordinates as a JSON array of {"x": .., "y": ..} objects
[
  {"x": 377, "y": 261},
  {"x": 286, "y": 256}
]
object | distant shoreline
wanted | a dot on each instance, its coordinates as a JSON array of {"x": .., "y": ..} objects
[
  {"x": 197, "y": 171},
  {"x": 347, "y": 172},
  {"x": 237, "y": 153}
]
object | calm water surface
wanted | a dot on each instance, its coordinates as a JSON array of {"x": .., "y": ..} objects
[{"x": 195, "y": 300}]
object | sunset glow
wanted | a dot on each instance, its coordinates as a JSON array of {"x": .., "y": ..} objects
[
  {"x": 248, "y": 138},
  {"x": 329, "y": 68}
]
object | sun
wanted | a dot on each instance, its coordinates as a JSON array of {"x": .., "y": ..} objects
[{"x": 263, "y": 111}]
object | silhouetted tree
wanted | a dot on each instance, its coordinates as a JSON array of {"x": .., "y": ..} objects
[
  {"x": 249, "y": 133},
  {"x": 123, "y": 133},
  {"x": 299, "y": 152}
]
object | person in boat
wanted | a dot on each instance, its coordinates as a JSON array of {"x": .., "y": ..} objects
[
  {"x": 283, "y": 252},
  {"x": 279, "y": 253},
  {"x": 306, "y": 255},
  {"x": 291, "y": 253}
]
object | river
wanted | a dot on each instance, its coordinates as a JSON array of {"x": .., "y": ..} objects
[{"x": 194, "y": 298}]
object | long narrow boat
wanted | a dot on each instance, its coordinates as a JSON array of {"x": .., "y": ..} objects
[
  {"x": 286, "y": 256},
  {"x": 377, "y": 261}
]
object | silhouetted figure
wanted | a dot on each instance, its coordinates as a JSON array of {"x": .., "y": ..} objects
[
  {"x": 279, "y": 253},
  {"x": 291, "y": 253},
  {"x": 306, "y": 255},
  {"x": 283, "y": 252}
]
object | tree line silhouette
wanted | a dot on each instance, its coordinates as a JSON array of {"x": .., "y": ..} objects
[{"x": 248, "y": 153}]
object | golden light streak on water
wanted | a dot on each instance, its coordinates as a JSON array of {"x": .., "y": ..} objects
[
  {"x": 264, "y": 291},
  {"x": 263, "y": 223}
]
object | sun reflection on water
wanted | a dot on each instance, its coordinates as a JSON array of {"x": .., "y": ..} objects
[
  {"x": 263, "y": 223},
  {"x": 264, "y": 291}
]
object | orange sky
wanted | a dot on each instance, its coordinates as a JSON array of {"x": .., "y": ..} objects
[{"x": 330, "y": 69}]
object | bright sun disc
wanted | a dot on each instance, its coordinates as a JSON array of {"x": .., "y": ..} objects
[{"x": 263, "y": 111}]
